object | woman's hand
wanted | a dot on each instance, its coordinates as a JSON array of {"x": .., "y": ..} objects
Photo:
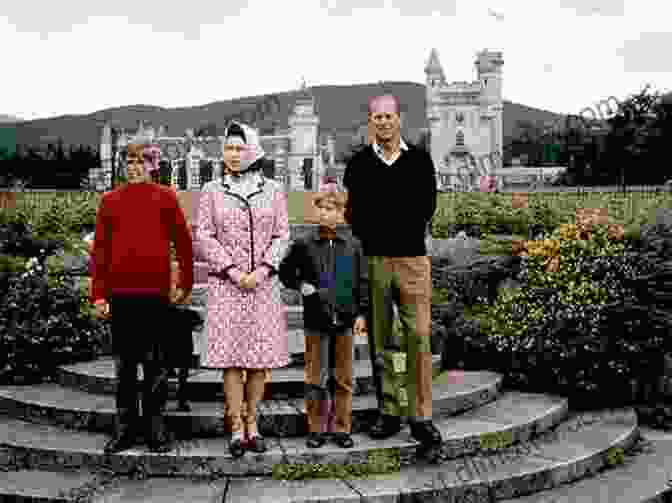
[
  {"x": 245, "y": 281},
  {"x": 253, "y": 279}
]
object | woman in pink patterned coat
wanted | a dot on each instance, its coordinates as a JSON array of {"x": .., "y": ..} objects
[{"x": 243, "y": 234}]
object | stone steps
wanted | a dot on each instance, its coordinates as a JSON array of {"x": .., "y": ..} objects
[
  {"x": 72, "y": 408},
  {"x": 99, "y": 377},
  {"x": 515, "y": 417},
  {"x": 579, "y": 447},
  {"x": 497, "y": 445}
]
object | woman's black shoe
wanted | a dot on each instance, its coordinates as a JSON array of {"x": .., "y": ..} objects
[
  {"x": 343, "y": 440},
  {"x": 316, "y": 440},
  {"x": 119, "y": 443},
  {"x": 426, "y": 433},
  {"x": 385, "y": 426},
  {"x": 236, "y": 448},
  {"x": 256, "y": 444}
]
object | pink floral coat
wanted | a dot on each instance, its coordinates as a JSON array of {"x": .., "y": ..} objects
[{"x": 245, "y": 328}]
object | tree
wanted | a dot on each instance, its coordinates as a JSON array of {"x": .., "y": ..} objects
[
  {"x": 210, "y": 129},
  {"x": 636, "y": 135}
]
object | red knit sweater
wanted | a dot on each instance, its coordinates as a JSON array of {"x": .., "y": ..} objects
[{"x": 131, "y": 253}]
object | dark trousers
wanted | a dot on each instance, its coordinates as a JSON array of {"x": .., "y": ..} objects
[{"x": 138, "y": 324}]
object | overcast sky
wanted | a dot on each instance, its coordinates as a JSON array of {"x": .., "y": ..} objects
[{"x": 77, "y": 57}]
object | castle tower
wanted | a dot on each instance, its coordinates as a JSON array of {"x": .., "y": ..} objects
[
  {"x": 465, "y": 120},
  {"x": 101, "y": 178},
  {"x": 304, "y": 152},
  {"x": 434, "y": 70},
  {"x": 489, "y": 71},
  {"x": 434, "y": 77}
]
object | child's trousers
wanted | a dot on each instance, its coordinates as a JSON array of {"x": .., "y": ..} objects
[
  {"x": 138, "y": 325},
  {"x": 318, "y": 371}
]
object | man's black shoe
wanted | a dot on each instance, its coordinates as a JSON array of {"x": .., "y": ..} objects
[
  {"x": 385, "y": 426},
  {"x": 183, "y": 407},
  {"x": 161, "y": 443},
  {"x": 426, "y": 433},
  {"x": 120, "y": 442}
]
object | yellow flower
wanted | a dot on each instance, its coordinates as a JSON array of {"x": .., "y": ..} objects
[{"x": 568, "y": 231}]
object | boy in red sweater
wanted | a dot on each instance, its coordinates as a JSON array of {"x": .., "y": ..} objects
[{"x": 131, "y": 285}]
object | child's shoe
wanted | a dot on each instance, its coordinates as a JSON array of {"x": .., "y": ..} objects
[
  {"x": 343, "y": 440},
  {"x": 316, "y": 440}
]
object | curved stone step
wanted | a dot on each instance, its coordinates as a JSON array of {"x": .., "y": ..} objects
[
  {"x": 42, "y": 486},
  {"x": 98, "y": 376},
  {"x": 70, "y": 408},
  {"x": 519, "y": 470},
  {"x": 643, "y": 478},
  {"x": 573, "y": 450}
]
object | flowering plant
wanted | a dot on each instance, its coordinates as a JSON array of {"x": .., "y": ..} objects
[{"x": 582, "y": 265}]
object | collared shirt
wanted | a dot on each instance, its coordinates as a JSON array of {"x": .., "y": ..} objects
[{"x": 378, "y": 149}]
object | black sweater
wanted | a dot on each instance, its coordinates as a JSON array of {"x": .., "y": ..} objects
[{"x": 389, "y": 207}]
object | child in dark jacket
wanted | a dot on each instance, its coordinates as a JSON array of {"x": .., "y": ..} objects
[{"x": 329, "y": 269}]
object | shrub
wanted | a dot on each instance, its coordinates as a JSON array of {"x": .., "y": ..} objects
[
  {"x": 44, "y": 324},
  {"x": 45, "y": 316}
]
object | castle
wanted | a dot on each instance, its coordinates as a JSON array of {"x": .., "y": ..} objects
[
  {"x": 464, "y": 122},
  {"x": 294, "y": 154}
]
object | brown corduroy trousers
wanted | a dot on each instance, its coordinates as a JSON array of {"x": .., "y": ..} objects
[{"x": 328, "y": 413}]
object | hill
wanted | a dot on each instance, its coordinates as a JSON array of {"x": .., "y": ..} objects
[
  {"x": 9, "y": 118},
  {"x": 342, "y": 110}
]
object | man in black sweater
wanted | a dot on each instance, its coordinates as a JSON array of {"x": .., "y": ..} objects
[{"x": 391, "y": 199}]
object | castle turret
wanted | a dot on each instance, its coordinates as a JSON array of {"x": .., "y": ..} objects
[
  {"x": 434, "y": 70},
  {"x": 99, "y": 178},
  {"x": 489, "y": 71},
  {"x": 435, "y": 78},
  {"x": 304, "y": 124}
]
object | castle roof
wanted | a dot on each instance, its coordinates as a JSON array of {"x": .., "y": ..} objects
[{"x": 433, "y": 64}]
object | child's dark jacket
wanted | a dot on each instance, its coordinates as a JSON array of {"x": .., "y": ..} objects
[{"x": 338, "y": 270}]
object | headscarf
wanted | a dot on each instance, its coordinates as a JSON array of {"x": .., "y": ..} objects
[{"x": 253, "y": 151}]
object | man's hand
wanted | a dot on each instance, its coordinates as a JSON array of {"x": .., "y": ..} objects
[{"x": 360, "y": 326}]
